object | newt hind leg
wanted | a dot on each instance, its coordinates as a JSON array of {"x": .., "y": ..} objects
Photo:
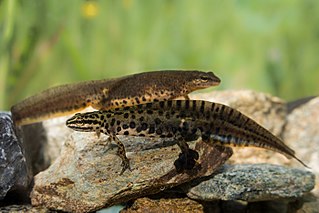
[
  {"x": 122, "y": 154},
  {"x": 187, "y": 158}
]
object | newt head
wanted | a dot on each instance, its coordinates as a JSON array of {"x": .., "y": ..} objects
[
  {"x": 85, "y": 122},
  {"x": 203, "y": 80}
]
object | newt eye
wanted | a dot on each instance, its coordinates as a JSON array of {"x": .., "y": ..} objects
[{"x": 203, "y": 78}]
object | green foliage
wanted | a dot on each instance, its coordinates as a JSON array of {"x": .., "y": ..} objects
[{"x": 270, "y": 46}]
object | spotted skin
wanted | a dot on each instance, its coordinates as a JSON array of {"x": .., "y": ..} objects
[
  {"x": 107, "y": 94},
  {"x": 184, "y": 120}
]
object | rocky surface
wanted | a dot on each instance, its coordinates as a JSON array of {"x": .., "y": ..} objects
[
  {"x": 15, "y": 174},
  {"x": 35, "y": 138},
  {"x": 56, "y": 134},
  {"x": 254, "y": 182},
  {"x": 164, "y": 205},
  {"x": 306, "y": 204},
  {"x": 25, "y": 209},
  {"x": 302, "y": 134},
  {"x": 86, "y": 175},
  {"x": 50, "y": 137}
]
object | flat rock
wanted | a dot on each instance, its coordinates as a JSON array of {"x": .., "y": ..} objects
[
  {"x": 15, "y": 174},
  {"x": 302, "y": 134},
  {"x": 255, "y": 182},
  {"x": 85, "y": 177}
]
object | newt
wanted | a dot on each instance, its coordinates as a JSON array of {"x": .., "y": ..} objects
[
  {"x": 107, "y": 94},
  {"x": 182, "y": 120}
]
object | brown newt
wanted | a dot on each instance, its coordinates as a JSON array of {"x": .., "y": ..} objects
[{"x": 107, "y": 94}]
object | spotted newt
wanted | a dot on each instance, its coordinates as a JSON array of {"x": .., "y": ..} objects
[
  {"x": 183, "y": 120},
  {"x": 106, "y": 94}
]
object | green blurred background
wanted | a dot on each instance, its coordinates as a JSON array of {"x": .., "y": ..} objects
[{"x": 270, "y": 46}]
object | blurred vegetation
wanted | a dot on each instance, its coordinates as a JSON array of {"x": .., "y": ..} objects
[{"x": 269, "y": 46}]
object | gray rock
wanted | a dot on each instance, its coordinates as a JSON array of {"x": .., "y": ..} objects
[
  {"x": 256, "y": 182},
  {"x": 85, "y": 177},
  {"x": 309, "y": 204},
  {"x": 171, "y": 203},
  {"x": 24, "y": 209},
  {"x": 302, "y": 134},
  {"x": 34, "y": 139},
  {"x": 15, "y": 174}
]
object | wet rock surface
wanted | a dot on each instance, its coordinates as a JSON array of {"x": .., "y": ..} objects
[
  {"x": 254, "y": 182},
  {"x": 15, "y": 174},
  {"x": 86, "y": 175}
]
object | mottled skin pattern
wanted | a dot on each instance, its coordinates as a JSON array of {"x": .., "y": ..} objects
[
  {"x": 184, "y": 120},
  {"x": 106, "y": 94}
]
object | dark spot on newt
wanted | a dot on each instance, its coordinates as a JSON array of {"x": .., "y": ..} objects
[
  {"x": 132, "y": 124},
  {"x": 144, "y": 126}
]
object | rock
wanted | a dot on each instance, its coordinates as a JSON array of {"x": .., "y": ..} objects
[
  {"x": 177, "y": 204},
  {"x": 309, "y": 204},
  {"x": 164, "y": 205},
  {"x": 15, "y": 172},
  {"x": 46, "y": 140},
  {"x": 34, "y": 137},
  {"x": 56, "y": 133},
  {"x": 302, "y": 134},
  {"x": 267, "y": 110},
  {"x": 256, "y": 182},
  {"x": 85, "y": 177},
  {"x": 25, "y": 209}
]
